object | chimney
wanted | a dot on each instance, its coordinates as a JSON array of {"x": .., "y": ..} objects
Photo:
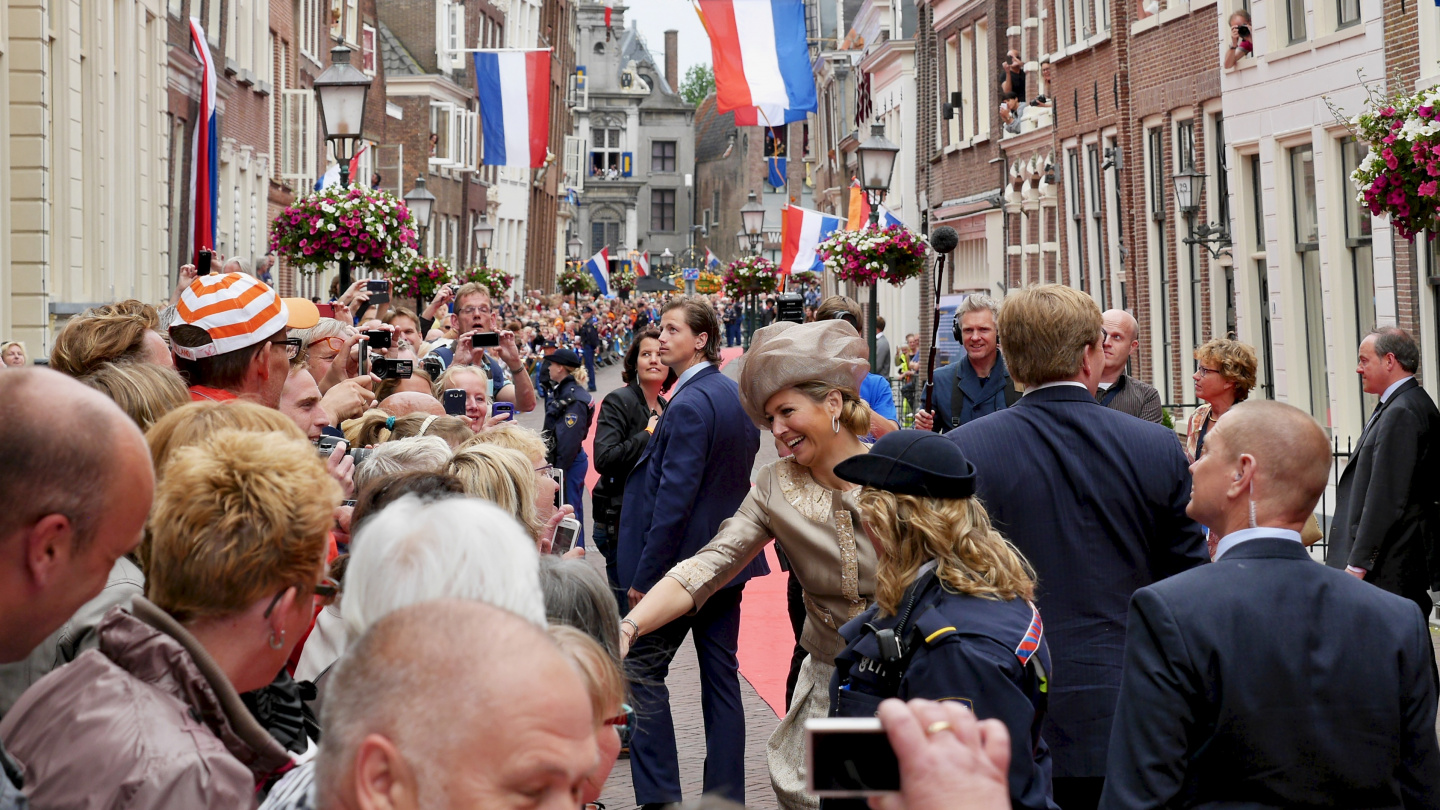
[{"x": 672, "y": 60}]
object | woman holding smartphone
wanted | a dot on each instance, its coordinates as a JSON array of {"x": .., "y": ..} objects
[{"x": 953, "y": 618}]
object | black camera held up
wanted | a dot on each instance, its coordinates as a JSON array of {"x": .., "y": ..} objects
[{"x": 387, "y": 369}]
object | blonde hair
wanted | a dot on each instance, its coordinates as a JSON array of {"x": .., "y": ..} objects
[
  {"x": 854, "y": 416},
  {"x": 90, "y": 339},
  {"x": 1045, "y": 330},
  {"x": 237, "y": 518},
  {"x": 971, "y": 557},
  {"x": 325, "y": 327},
  {"x": 603, "y": 680},
  {"x": 374, "y": 427},
  {"x": 1236, "y": 361},
  {"x": 501, "y": 476},
  {"x": 7, "y": 344},
  {"x": 196, "y": 421},
  {"x": 447, "y": 379},
  {"x": 144, "y": 391},
  {"x": 514, "y": 436}
]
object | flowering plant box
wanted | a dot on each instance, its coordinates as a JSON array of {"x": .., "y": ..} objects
[
  {"x": 495, "y": 281},
  {"x": 1400, "y": 176},
  {"x": 750, "y": 274},
  {"x": 369, "y": 227},
  {"x": 869, "y": 256}
]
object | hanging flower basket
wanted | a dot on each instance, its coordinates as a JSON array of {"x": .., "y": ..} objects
[
  {"x": 709, "y": 284},
  {"x": 1400, "y": 177},
  {"x": 623, "y": 279},
  {"x": 369, "y": 227},
  {"x": 419, "y": 279},
  {"x": 495, "y": 281},
  {"x": 575, "y": 279},
  {"x": 751, "y": 274},
  {"x": 872, "y": 255}
]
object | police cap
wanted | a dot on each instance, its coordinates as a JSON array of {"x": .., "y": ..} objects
[
  {"x": 565, "y": 357},
  {"x": 912, "y": 462}
]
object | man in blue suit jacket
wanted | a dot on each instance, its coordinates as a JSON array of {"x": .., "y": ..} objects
[
  {"x": 693, "y": 475},
  {"x": 1267, "y": 679},
  {"x": 1095, "y": 500}
]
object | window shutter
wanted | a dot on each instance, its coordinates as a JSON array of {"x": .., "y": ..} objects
[
  {"x": 627, "y": 163},
  {"x": 457, "y": 36},
  {"x": 574, "y": 163}
]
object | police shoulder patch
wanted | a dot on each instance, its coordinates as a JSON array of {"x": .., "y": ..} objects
[{"x": 571, "y": 419}]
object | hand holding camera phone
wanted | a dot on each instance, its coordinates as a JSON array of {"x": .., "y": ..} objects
[
  {"x": 207, "y": 260},
  {"x": 387, "y": 369},
  {"x": 379, "y": 290},
  {"x": 849, "y": 757},
  {"x": 507, "y": 408},
  {"x": 565, "y": 535},
  {"x": 454, "y": 400},
  {"x": 379, "y": 338},
  {"x": 484, "y": 340}
]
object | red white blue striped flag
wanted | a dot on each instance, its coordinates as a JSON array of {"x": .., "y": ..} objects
[
  {"x": 205, "y": 156},
  {"x": 514, "y": 91}
]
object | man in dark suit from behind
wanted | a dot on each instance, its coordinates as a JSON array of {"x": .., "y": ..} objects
[
  {"x": 1118, "y": 390},
  {"x": 1266, "y": 679},
  {"x": 692, "y": 476},
  {"x": 1095, "y": 500},
  {"x": 1385, "y": 506}
]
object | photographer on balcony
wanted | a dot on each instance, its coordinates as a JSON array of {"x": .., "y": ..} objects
[{"x": 1242, "y": 41}]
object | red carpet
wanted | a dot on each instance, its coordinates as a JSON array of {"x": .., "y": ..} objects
[{"x": 765, "y": 636}]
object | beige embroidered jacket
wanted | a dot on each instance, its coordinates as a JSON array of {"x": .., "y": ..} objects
[{"x": 819, "y": 530}]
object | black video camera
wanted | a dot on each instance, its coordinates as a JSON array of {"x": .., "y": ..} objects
[
  {"x": 790, "y": 307},
  {"x": 387, "y": 369}
]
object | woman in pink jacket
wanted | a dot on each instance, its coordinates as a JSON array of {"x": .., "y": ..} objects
[{"x": 153, "y": 717}]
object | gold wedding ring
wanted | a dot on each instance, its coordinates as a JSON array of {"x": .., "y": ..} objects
[{"x": 937, "y": 727}]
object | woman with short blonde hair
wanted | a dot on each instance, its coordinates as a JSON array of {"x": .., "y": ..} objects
[
  {"x": 239, "y": 527},
  {"x": 144, "y": 391},
  {"x": 13, "y": 354},
  {"x": 501, "y": 476},
  {"x": 1224, "y": 376}
]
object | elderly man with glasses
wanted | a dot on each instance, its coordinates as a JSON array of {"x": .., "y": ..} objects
[{"x": 475, "y": 314}]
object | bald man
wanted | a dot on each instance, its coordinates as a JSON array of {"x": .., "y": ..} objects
[
  {"x": 422, "y": 712},
  {"x": 408, "y": 402},
  {"x": 77, "y": 484},
  {"x": 1267, "y": 679},
  {"x": 1118, "y": 390}
]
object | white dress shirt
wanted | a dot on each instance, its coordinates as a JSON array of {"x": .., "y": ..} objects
[{"x": 1234, "y": 539}]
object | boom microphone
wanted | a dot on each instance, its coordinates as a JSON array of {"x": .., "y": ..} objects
[{"x": 943, "y": 240}]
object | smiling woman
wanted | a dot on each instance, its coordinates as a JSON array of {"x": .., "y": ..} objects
[{"x": 801, "y": 382}]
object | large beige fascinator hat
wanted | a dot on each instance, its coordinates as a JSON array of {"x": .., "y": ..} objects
[{"x": 784, "y": 354}]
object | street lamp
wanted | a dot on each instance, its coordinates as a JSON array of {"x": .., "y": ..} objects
[
  {"x": 752, "y": 218},
  {"x": 484, "y": 232},
  {"x": 421, "y": 204},
  {"x": 877, "y": 162},
  {"x": 572, "y": 248},
  {"x": 1189, "y": 185},
  {"x": 341, "y": 91}
]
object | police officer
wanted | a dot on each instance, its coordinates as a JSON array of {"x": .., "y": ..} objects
[
  {"x": 953, "y": 617},
  {"x": 567, "y": 422}
]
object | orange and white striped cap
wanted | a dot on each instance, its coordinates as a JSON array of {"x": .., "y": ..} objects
[{"x": 236, "y": 311}]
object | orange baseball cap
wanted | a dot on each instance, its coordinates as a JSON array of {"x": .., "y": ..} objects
[{"x": 235, "y": 311}]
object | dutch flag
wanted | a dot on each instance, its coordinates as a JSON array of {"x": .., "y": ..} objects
[
  {"x": 598, "y": 265},
  {"x": 763, "y": 63},
  {"x": 802, "y": 231},
  {"x": 513, "y": 87},
  {"x": 711, "y": 260},
  {"x": 205, "y": 163}
]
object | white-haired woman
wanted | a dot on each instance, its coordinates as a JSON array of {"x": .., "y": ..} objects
[
  {"x": 801, "y": 382},
  {"x": 415, "y": 551}
]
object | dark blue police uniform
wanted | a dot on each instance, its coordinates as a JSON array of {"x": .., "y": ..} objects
[
  {"x": 986, "y": 653},
  {"x": 567, "y": 421}
]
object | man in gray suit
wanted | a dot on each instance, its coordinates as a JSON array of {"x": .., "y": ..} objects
[
  {"x": 882, "y": 349},
  {"x": 1118, "y": 390},
  {"x": 1385, "y": 518}
]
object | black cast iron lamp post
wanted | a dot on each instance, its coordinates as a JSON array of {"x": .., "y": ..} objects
[
  {"x": 877, "y": 162},
  {"x": 341, "y": 91}
]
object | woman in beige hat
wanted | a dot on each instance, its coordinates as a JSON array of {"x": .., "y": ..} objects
[{"x": 801, "y": 382}]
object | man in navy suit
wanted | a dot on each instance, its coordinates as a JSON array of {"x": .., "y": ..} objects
[
  {"x": 1385, "y": 506},
  {"x": 1095, "y": 500},
  {"x": 1267, "y": 679},
  {"x": 693, "y": 475}
]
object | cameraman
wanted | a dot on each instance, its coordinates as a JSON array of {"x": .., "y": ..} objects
[{"x": 1242, "y": 43}]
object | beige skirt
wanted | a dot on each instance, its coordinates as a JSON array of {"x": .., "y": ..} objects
[{"x": 786, "y": 749}]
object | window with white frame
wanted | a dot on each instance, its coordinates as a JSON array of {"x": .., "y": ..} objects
[
  {"x": 298, "y": 134},
  {"x": 605, "y": 149},
  {"x": 575, "y": 162},
  {"x": 1161, "y": 295},
  {"x": 1306, "y": 221},
  {"x": 1095, "y": 224},
  {"x": 1295, "y": 23},
  {"x": 1075, "y": 202},
  {"x": 967, "y": 84},
  {"x": 449, "y": 34},
  {"x": 1428, "y": 25},
  {"x": 309, "y": 28},
  {"x": 1260, "y": 261},
  {"x": 952, "y": 84},
  {"x": 1361, "y": 254},
  {"x": 982, "y": 78},
  {"x": 368, "y": 49},
  {"x": 443, "y": 134},
  {"x": 1064, "y": 34}
]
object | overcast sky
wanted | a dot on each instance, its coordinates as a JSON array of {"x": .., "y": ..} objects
[{"x": 655, "y": 17}]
